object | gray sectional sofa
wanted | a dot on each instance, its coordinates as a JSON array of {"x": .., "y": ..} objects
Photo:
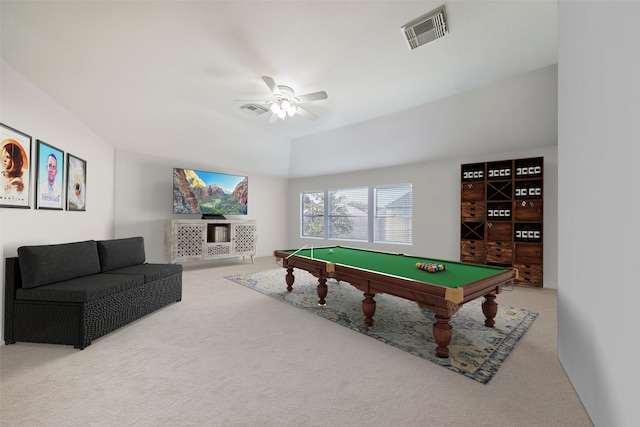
[{"x": 73, "y": 293}]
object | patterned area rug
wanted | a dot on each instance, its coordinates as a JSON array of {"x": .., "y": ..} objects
[{"x": 476, "y": 351}]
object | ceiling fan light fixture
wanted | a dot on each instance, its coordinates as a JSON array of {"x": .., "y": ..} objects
[
  {"x": 286, "y": 103},
  {"x": 283, "y": 107}
]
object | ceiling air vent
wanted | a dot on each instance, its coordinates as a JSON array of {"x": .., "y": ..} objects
[
  {"x": 254, "y": 109},
  {"x": 427, "y": 28}
]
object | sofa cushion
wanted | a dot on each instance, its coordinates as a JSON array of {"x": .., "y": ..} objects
[
  {"x": 44, "y": 264},
  {"x": 119, "y": 253},
  {"x": 81, "y": 289},
  {"x": 150, "y": 272}
]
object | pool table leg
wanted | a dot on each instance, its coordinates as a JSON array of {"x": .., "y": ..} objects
[
  {"x": 368, "y": 308},
  {"x": 322, "y": 291},
  {"x": 289, "y": 279},
  {"x": 442, "y": 333},
  {"x": 490, "y": 309}
]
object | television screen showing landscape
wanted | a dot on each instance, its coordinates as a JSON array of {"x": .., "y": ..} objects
[{"x": 209, "y": 193}]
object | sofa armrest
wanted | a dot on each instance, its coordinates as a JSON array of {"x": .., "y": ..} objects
[{"x": 12, "y": 281}]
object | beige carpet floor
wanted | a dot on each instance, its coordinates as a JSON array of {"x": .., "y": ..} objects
[{"x": 229, "y": 356}]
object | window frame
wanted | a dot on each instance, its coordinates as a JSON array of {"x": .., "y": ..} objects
[
  {"x": 371, "y": 217},
  {"x": 323, "y": 215},
  {"x": 331, "y": 215}
]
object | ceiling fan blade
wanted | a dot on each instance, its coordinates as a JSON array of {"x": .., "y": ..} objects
[
  {"x": 315, "y": 96},
  {"x": 272, "y": 85},
  {"x": 273, "y": 118},
  {"x": 306, "y": 113}
]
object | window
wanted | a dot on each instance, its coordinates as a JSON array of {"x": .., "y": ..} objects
[
  {"x": 312, "y": 214},
  {"x": 348, "y": 218},
  {"x": 393, "y": 214},
  {"x": 383, "y": 214}
]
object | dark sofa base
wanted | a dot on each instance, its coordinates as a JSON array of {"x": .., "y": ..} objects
[{"x": 78, "y": 324}]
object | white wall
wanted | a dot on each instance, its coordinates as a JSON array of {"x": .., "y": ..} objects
[
  {"x": 144, "y": 197},
  {"x": 598, "y": 250},
  {"x": 29, "y": 110},
  {"x": 436, "y": 205}
]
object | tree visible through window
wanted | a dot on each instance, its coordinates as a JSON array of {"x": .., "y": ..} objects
[
  {"x": 313, "y": 214},
  {"x": 348, "y": 217}
]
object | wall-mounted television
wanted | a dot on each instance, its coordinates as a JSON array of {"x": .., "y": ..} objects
[{"x": 211, "y": 194}]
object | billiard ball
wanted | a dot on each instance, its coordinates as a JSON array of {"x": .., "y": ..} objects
[{"x": 330, "y": 251}]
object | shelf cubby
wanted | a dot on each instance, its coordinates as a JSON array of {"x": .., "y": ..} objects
[
  {"x": 472, "y": 231},
  {"x": 499, "y": 170},
  {"x": 501, "y": 190}
]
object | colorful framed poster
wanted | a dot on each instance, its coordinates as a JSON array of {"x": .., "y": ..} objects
[
  {"x": 50, "y": 177},
  {"x": 15, "y": 152},
  {"x": 76, "y": 183}
]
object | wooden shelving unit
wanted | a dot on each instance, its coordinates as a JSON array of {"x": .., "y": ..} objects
[{"x": 501, "y": 216}]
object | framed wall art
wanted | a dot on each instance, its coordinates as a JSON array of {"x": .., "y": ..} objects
[
  {"x": 15, "y": 152},
  {"x": 50, "y": 177},
  {"x": 76, "y": 183}
]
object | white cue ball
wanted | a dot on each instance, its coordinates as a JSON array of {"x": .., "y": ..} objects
[{"x": 330, "y": 251}]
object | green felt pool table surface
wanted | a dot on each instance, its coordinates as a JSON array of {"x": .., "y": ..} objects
[{"x": 456, "y": 274}]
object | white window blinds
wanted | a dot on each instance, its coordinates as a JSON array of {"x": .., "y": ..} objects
[{"x": 393, "y": 214}]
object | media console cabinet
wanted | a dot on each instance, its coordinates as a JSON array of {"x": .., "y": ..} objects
[{"x": 191, "y": 240}]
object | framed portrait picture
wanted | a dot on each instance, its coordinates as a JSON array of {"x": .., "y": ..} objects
[
  {"x": 15, "y": 150},
  {"x": 76, "y": 183},
  {"x": 50, "y": 176}
]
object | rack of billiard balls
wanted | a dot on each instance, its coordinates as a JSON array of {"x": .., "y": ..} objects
[{"x": 430, "y": 267}]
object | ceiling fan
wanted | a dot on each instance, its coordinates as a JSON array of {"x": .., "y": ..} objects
[{"x": 286, "y": 103}]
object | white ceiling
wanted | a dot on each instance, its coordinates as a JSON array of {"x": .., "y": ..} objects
[{"x": 164, "y": 76}]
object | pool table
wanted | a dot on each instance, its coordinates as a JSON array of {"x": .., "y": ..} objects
[{"x": 375, "y": 272}]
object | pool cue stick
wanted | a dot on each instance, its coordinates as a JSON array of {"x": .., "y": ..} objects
[{"x": 296, "y": 251}]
